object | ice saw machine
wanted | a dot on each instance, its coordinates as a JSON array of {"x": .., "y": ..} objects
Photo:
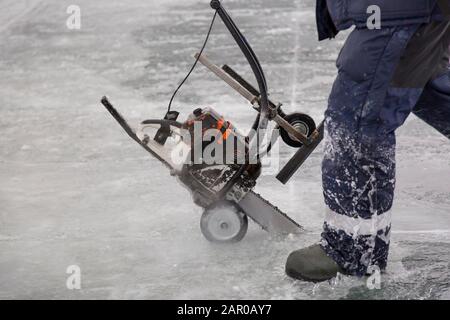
[{"x": 225, "y": 190}]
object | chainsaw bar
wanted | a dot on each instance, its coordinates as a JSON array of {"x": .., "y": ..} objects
[{"x": 268, "y": 216}]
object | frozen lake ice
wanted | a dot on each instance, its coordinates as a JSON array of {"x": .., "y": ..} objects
[{"x": 75, "y": 190}]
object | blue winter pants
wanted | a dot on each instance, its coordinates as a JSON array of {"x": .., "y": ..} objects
[{"x": 358, "y": 169}]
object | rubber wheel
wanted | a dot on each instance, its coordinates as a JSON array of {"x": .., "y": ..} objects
[
  {"x": 224, "y": 223},
  {"x": 302, "y": 122}
]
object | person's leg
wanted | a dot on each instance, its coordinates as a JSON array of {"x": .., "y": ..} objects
[
  {"x": 358, "y": 169},
  {"x": 434, "y": 104},
  {"x": 359, "y": 181},
  {"x": 359, "y": 164}
]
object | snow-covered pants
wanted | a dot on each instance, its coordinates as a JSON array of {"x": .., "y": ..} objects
[{"x": 359, "y": 164}]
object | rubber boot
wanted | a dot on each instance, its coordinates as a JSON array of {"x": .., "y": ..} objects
[{"x": 311, "y": 264}]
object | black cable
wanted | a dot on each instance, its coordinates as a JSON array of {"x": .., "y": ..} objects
[{"x": 195, "y": 63}]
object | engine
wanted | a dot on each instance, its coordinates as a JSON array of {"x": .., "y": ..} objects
[{"x": 219, "y": 166}]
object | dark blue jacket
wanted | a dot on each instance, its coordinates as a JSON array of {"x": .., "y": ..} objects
[{"x": 335, "y": 15}]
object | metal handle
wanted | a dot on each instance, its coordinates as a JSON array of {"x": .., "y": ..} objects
[
  {"x": 226, "y": 78},
  {"x": 250, "y": 97},
  {"x": 247, "y": 50}
]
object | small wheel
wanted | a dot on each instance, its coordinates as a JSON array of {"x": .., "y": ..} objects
[
  {"x": 224, "y": 223},
  {"x": 303, "y": 123}
]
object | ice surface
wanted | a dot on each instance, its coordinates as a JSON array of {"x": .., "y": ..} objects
[{"x": 76, "y": 190}]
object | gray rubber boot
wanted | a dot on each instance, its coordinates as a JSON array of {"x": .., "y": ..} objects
[{"x": 311, "y": 264}]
